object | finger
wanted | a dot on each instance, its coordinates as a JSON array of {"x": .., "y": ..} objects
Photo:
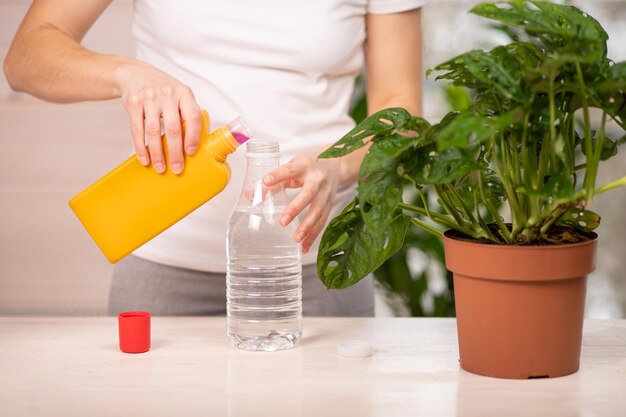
[
  {"x": 191, "y": 115},
  {"x": 287, "y": 172},
  {"x": 315, "y": 213},
  {"x": 299, "y": 203},
  {"x": 173, "y": 133},
  {"x": 313, "y": 234},
  {"x": 135, "y": 113},
  {"x": 152, "y": 127}
]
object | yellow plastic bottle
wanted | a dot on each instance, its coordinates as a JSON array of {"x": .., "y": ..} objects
[{"x": 132, "y": 204}]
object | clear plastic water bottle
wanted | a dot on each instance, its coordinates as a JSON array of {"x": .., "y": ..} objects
[{"x": 264, "y": 271}]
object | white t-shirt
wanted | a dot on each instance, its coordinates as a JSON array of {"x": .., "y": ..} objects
[{"x": 286, "y": 66}]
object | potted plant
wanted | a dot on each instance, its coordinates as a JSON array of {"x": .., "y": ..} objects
[{"x": 532, "y": 139}]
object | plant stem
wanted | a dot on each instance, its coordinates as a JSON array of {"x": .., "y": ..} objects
[
  {"x": 461, "y": 203},
  {"x": 555, "y": 215},
  {"x": 425, "y": 203},
  {"x": 504, "y": 231},
  {"x": 553, "y": 159},
  {"x": 447, "y": 206},
  {"x": 512, "y": 166},
  {"x": 426, "y": 227},
  {"x": 517, "y": 175},
  {"x": 517, "y": 215},
  {"x": 570, "y": 141},
  {"x": 611, "y": 185},
  {"x": 530, "y": 170},
  {"x": 437, "y": 218},
  {"x": 543, "y": 161},
  {"x": 480, "y": 218},
  {"x": 597, "y": 153},
  {"x": 588, "y": 185}
]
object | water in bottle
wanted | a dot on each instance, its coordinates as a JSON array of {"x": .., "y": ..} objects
[{"x": 264, "y": 272}]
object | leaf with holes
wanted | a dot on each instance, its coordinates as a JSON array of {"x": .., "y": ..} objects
[
  {"x": 349, "y": 250},
  {"x": 415, "y": 125},
  {"x": 373, "y": 128},
  {"x": 430, "y": 167},
  {"x": 580, "y": 219},
  {"x": 561, "y": 29},
  {"x": 459, "y": 73},
  {"x": 526, "y": 142},
  {"x": 471, "y": 127},
  {"x": 480, "y": 69},
  {"x": 380, "y": 186},
  {"x": 610, "y": 93}
]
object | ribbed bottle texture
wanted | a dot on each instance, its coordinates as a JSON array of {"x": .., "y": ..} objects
[{"x": 264, "y": 272}]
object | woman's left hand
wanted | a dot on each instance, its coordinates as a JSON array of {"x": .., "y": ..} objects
[{"x": 318, "y": 180}]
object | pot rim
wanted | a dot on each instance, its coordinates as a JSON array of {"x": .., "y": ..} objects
[
  {"x": 518, "y": 262},
  {"x": 447, "y": 235}
]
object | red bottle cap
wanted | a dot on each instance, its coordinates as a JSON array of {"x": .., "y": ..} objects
[{"x": 134, "y": 331}]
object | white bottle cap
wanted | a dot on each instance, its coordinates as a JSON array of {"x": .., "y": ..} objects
[{"x": 355, "y": 348}]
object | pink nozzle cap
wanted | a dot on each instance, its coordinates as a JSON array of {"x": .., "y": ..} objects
[{"x": 239, "y": 130}]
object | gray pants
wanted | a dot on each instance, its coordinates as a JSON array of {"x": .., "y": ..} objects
[{"x": 163, "y": 290}]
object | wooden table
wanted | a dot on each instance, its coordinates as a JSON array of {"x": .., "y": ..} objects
[{"x": 73, "y": 367}]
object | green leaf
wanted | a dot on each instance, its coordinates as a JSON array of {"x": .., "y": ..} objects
[
  {"x": 349, "y": 250},
  {"x": 459, "y": 73},
  {"x": 609, "y": 148},
  {"x": 561, "y": 29},
  {"x": 427, "y": 165},
  {"x": 475, "y": 128},
  {"x": 510, "y": 71},
  {"x": 561, "y": 150},
  {"x": 514, "y": 34},
  {"x": 493, "y": 189},
  {"x": 380, "y": 186},
  {"x": 375, "y": 126},
  {"x": 479, "y": 69},
  {"x": 415, "y": 125},
  {"x": 610, "y": 93},
  {"x": 457, "y": 97},
  {"x": 580, "y": 219},
  {"x": 430, "y": 167},
  {"x": 560, "y": 187}
]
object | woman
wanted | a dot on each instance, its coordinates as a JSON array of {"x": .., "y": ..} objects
[{"x": 287, "y": 66}]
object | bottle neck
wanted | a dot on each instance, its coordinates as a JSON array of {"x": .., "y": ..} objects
[{"x": 261, "y": 158}]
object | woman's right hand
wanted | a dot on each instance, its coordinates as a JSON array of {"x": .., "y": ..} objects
[{"x": 150, "y": 95}]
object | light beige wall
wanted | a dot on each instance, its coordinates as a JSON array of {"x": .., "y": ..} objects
[{"x": 48, "y": 153}]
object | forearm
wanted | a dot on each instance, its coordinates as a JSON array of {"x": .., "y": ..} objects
[
  {"x": 393, "y": 76},
  {"x": 49, "y": 64}
]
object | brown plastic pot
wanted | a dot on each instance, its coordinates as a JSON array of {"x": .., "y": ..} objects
[{"x": 519, "y": 308}]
